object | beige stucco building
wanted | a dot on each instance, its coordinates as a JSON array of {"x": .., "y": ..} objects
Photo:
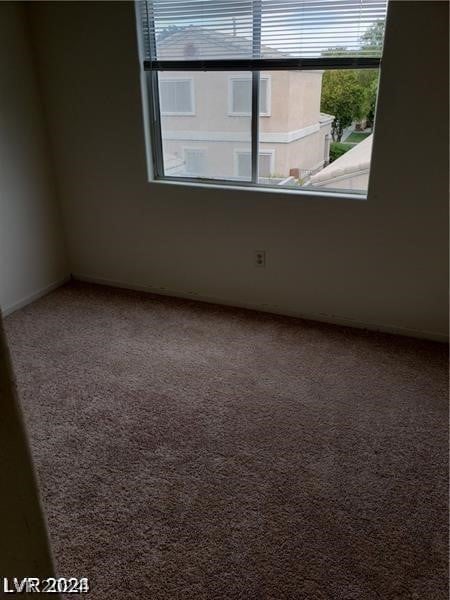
[{"x": 205, "y": 120}]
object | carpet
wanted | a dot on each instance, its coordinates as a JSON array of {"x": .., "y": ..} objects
[{"x": 193, "y": 451}]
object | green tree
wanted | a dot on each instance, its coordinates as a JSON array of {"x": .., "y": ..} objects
[
  {"x": 372, "y": 39},
  {"x": 371, "y": 100},
  {"x": 371, "y": 43},
  {"x": 343, "y": 97},
  {"x": 351, "y": 95},
  {"x": 368, "y": 80}
]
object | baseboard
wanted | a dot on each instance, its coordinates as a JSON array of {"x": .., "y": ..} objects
[
  {"x": 323, "y": 318},
  {"x": 34, "y": 296}
]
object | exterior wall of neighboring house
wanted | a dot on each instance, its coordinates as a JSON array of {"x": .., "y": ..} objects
[
  {"x": 303, "y": 93},
  {"x": 209, "y": 139},
  {"x": 292, "y": 130}
]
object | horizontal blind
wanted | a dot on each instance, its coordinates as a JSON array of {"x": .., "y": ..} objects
[
  {"x": 195, "y": 30},
  {"x": 145, "y": 21},
  {"x": 202, "y": 30},
  {"x": 312, "y": 28}
]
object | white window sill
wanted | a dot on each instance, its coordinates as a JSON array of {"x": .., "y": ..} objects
[
  {"x": 302, "y": 192},
  {"x": 178, "y": 114},
  {"x": 234, "y": 114}
]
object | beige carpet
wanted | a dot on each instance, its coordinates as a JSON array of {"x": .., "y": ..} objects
[{"x": 189, "y": 451}]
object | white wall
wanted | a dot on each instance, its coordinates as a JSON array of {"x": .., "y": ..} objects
[
  {"x": 382, "y": 262},
  {"x": 32, "y": 253}
]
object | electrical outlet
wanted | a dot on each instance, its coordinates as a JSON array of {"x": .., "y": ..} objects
[{"x": 260, "y": 258}]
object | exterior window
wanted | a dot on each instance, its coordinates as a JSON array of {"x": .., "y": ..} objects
[
  {"x": 244, "y": 164},
  {"x": 176, "y": 96},
  {"x": 241, "y": 96},
  {"x": 263, "y": 93},
  {"x": 195, "y": 161}
]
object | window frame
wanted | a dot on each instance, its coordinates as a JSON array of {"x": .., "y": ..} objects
[
  {"x": 254, "y": 67},
  {"x": 175, "y": 79},
  {"x": 237, "y": 77}
]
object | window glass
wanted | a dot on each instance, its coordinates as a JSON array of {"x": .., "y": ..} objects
[
  {"x": 265, "y": 164},
  {"x": 176, "y": 96},
  {"x": 321, "y": 128},
  {"x": 195, "y": 161},
  {"x": 315, "y": 124},
  {"x": 244, "y": 164},
  {"x": 202, "y": 142},
  {"x": 241, "y": 96}
]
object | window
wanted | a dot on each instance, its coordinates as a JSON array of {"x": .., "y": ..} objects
[
  {"x": 244, "y": 164},
  {"x": 177, "y": 96},
  {"x": 195, "y": 161},
  {"x": 301, "y": 76},
  {"x": 241, "y": 96}
]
